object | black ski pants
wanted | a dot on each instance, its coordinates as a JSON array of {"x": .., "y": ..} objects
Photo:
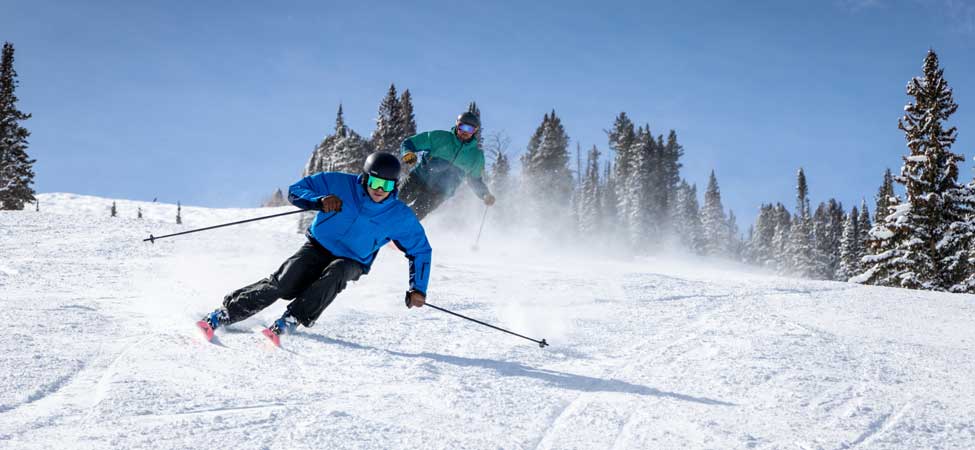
[
  {"x": 420, "y": 198},
  {"x": 311, "y": 278}
]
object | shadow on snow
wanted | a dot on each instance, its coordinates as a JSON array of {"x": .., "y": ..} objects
[{"x": 556, "y": 378}]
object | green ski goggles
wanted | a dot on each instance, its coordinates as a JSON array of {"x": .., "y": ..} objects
[{"x": 375, "y": 182}]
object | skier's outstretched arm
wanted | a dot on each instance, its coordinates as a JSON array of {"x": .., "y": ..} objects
[
  {"x": 309, "y": 192},
  {"x": 478, "y": 186},
  {"x": 412, "y": 241}
]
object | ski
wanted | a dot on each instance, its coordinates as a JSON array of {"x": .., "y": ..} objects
[
  {"x": 206, "y": 329},
  {"x": 275, "y": 339}
]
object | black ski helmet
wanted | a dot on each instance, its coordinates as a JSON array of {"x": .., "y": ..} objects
[
  {"x": 382, "y": 165},
  {"x": 470, "y": 119}
]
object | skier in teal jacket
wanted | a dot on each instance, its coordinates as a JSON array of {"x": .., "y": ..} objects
[
  {"x": 439, "y": 161},
  {"x": 357, "y": 216}
]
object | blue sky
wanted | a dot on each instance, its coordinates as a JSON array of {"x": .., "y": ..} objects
[{"x": 219, "y": 103}]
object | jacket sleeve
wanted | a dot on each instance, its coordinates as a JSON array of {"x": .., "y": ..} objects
[
  {"x": 477, "y": 185},
  {"x": 411, "y": 239},
  {"x": 306, "y": 193},
  {"x": 476, "y": 179},
  {"x": 416, "y": 143}
]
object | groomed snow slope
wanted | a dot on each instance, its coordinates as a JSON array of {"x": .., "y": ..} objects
[{"x": 99, "y": 350}]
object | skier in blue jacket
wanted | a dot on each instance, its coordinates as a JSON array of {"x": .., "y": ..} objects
[{"x": 357, "y": 216}]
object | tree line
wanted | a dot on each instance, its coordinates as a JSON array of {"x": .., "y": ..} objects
[{"x": 922, "y": 239}]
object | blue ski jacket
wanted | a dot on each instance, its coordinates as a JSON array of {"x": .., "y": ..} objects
[{"x": 363, "y": 226}]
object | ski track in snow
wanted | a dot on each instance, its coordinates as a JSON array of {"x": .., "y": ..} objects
[{"x": 648, "y": 353}]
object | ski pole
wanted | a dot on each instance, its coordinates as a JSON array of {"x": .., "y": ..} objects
[
  {"x": 540, "y": 343},
  {"x": 480, "y": 229},
  {"x": 152, "y": 238}
]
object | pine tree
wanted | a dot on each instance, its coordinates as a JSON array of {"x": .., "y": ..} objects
[
  {"x": 545, "y": 166},
  {"x": 863, "y": 229},
  {"x": 672, "y": 152},
  {"x": 850, "y": 251},
  {"x": 621, "y": 141},
  {"x": 734, "y": 245},
  {"x": 639, "y": 198},
  {"x": 343, "y": 151},
  {"x": 828, "y": 223},
  {"x": 406, "y": 121},
  {"x": 16, "y": 167},
  {"x": 687, "y": 221},
  {"x": 801, "y": 248},
  {"x": 386, "y": 136},
  {"x": 713, "y": 220},
  {"x": 276, "y": 199},
  {"x": 884, "y": 195},
  {"x": 577, "y": 176},
  {"x": 590, "y": 208},
  {"x": 760, "y": 246},
  {"x": 780, "y": 241},
  {"x": 609, "y": 202},
  {"x": 501, "y": 176},
  {"x": 502, "y": 186},
  {"x": 179, "y": 213},
  {"x": 930, "y": 233}
]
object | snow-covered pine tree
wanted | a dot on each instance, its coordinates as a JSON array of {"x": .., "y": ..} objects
[
  {"x": 760, "y": 246},
  {"x": 881, "y": 255},
  {"x": 546, "y": 173},
  {"x": 850, "y": 252},
  {"x": 276, "y": 199},
  {"x": 590, "y": 212},
  {"x": 688, "y": 220},
  {"x": 609, "y": 222},
  {"x": 930, "y": 231},
  {"x": 577, "y": 175},
  {"x": 670, "y": 163},
  {"x": 746, "y": 245},
  {"x": 828, "y": 225},
  {"x": 16, "y": 167},
  {"x": 502, "y": 186},
  {"x": 406, "y": 123},
  {"x": 883, "y": 198},
  {"x": 501, "y": 176},
  {"x": 863, "y": 228},
  {"x": 657, "y": 189},
  {"x": 640, "y": 227},
  {"x": 781, "y": 257},
  {"x": 621, "y": 139},
  {"x": 386, "y": 136},
  {"x": 735, "y": 245},
  {"x": 343, "y": 151},
  {"x": 967, "y": 228},
  {"x": 802, "y": 249},
  {"x": 713, "y": 220}
]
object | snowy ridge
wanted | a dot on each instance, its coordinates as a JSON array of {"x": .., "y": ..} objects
[{"x": 655, "y": 353}]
